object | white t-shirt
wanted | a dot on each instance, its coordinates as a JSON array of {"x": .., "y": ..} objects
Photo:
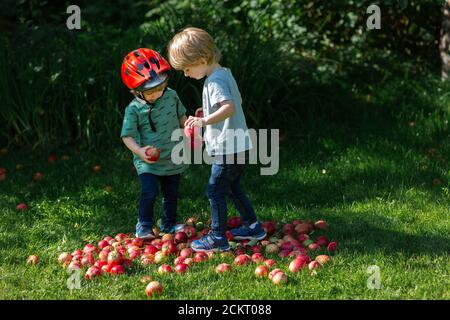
[{"x": 231, "y": 135}]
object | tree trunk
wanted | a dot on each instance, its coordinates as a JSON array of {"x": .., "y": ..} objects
[{"x": 444, "y": 46}]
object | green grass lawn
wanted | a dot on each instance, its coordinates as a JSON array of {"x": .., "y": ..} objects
[{"x": 374, "y": 188}]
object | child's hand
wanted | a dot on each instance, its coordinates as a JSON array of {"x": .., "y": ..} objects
[
  {"x": 195, "y": 122},
  {"x": 143, "y": 156}
]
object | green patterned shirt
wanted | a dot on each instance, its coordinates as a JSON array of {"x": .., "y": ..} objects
[{"x": 136, "y": 124}]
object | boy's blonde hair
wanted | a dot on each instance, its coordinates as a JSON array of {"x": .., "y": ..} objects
[{"x": 191, "y": 45}]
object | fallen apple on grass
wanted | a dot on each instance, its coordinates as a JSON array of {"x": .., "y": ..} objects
[
  {"x": 181, "y": 268},
  {"x": 33, "y": 260},
  {"x": 261, "y": 271},
  {"x": 279, "y": 278},
  {"x": 223, "y": 267},
  {"x": 153, "y": 289},
  {"x": 323, "y": 259},
  {"x": 242, "y": 259},
  {"x": 273, "y": 273},
  {"x": 165, "y": 268},
  {"x": 21, "y": 207},
  {"x": 93, "y": 272}
]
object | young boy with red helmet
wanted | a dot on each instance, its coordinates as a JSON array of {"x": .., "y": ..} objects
[{"x": 148, "y": 123}]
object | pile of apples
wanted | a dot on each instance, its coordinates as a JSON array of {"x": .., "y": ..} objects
[{"x": 173, "y": 254}]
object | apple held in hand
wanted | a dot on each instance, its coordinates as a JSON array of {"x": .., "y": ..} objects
[
  {"x": 152, "y": 154},
  {"x": 192, "y": 132}
]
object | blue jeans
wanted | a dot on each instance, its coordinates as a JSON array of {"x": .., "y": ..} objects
[
  {"x": 149, "y": 192},
  {"x": 225, "y": 180}
]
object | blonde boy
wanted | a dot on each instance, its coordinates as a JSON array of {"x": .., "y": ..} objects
[{"x": 194, "y": 52}]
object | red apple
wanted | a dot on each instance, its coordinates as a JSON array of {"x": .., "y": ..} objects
[
  {"x": 106, "y": 268},
  {"x": 200, "y": 256},
  {"x": 288, "y": 229},
  {"x": 90, "y": 248},
  {"x": 165, "y": 268},
  {"x": 93, "y": 272},
  {"x": 199, "y": 113},
  {"x": 153, "y": 154},
  {"x": 160, "y": 257},
  {"x": 255, "y": 249},
  {"x": 269, "y": 263},
  {"x": 321, "y": 225},
  {"x": 74, "y": 265},
  {"x": 167, "y": 237},
  {"x": 296, "y": 265},
  {"x": 87, "y": 260},
  {"x": 223, "y": 267},
  {"x": 190, "y": 231},
  {"x": 33, "y": 260},
  {"x": 117, "y": 269},
  {"x": 302, "y": 237},
  {"x": 154, "y": 288},
  {"x": 179, "y": 260},
  {"x": 114, "y": 258},
  {"x": 180, "y": 237},
  {"x": 234, "y": 222},
  {"x": 313, "y": 246},
  {"x": 169, "y": 248},
  {"x": 257, "y": 257},
  {"x": 103, "y": 244},
  {"x": 332, "y": 246},
  {"x": 138, "y": 242},
  {"x": 97, "y": 168},
  {"x": 273, "y": 273},
  {"x": 286, "y": 246},
  {"x": 242, "y": 259},
  {"x": 192, "y": 132},
  {"x": 147, "y": 259},
  {"x": 323, "y": 259},
  {"x": 313, "y": 265},
  {"x": 272, "y": 248},
  {"x": 150, "y": 249},
  {"x": 269, "y": 227},
  {"x": 64, "y": 258},
  {"x": 322, "y": 241},
  {"x": 77, "y": 252},
  {"x": 284, "y": 253},
  {"x": 121, "y": 237},
  {"x": 181, "y": 268},
  {"x": 186, "y": 253},
  {"x": 21, "y": 207},
  {"x": 302, "y": 228},
  {"x": 99, "y": 264},
  {"x": 279, "y": 278},
  {"x": 261, "y": 271}
]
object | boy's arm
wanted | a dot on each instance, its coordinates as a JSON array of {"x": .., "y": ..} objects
[
  {"x": 225, "y": 111},
  {"x": 135, "y": 148},
  {"x": 183, "y": 121}
]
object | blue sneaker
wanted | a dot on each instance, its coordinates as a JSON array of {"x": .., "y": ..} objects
[
  {"x": 251, "y": 232},
  {"x": 210, "y": 243},
  {"x": 176, "y": 228},
  {"x": 144, "y": 232}
]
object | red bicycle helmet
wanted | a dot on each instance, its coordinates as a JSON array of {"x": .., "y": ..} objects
[{"x": 144, "y": 69}]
